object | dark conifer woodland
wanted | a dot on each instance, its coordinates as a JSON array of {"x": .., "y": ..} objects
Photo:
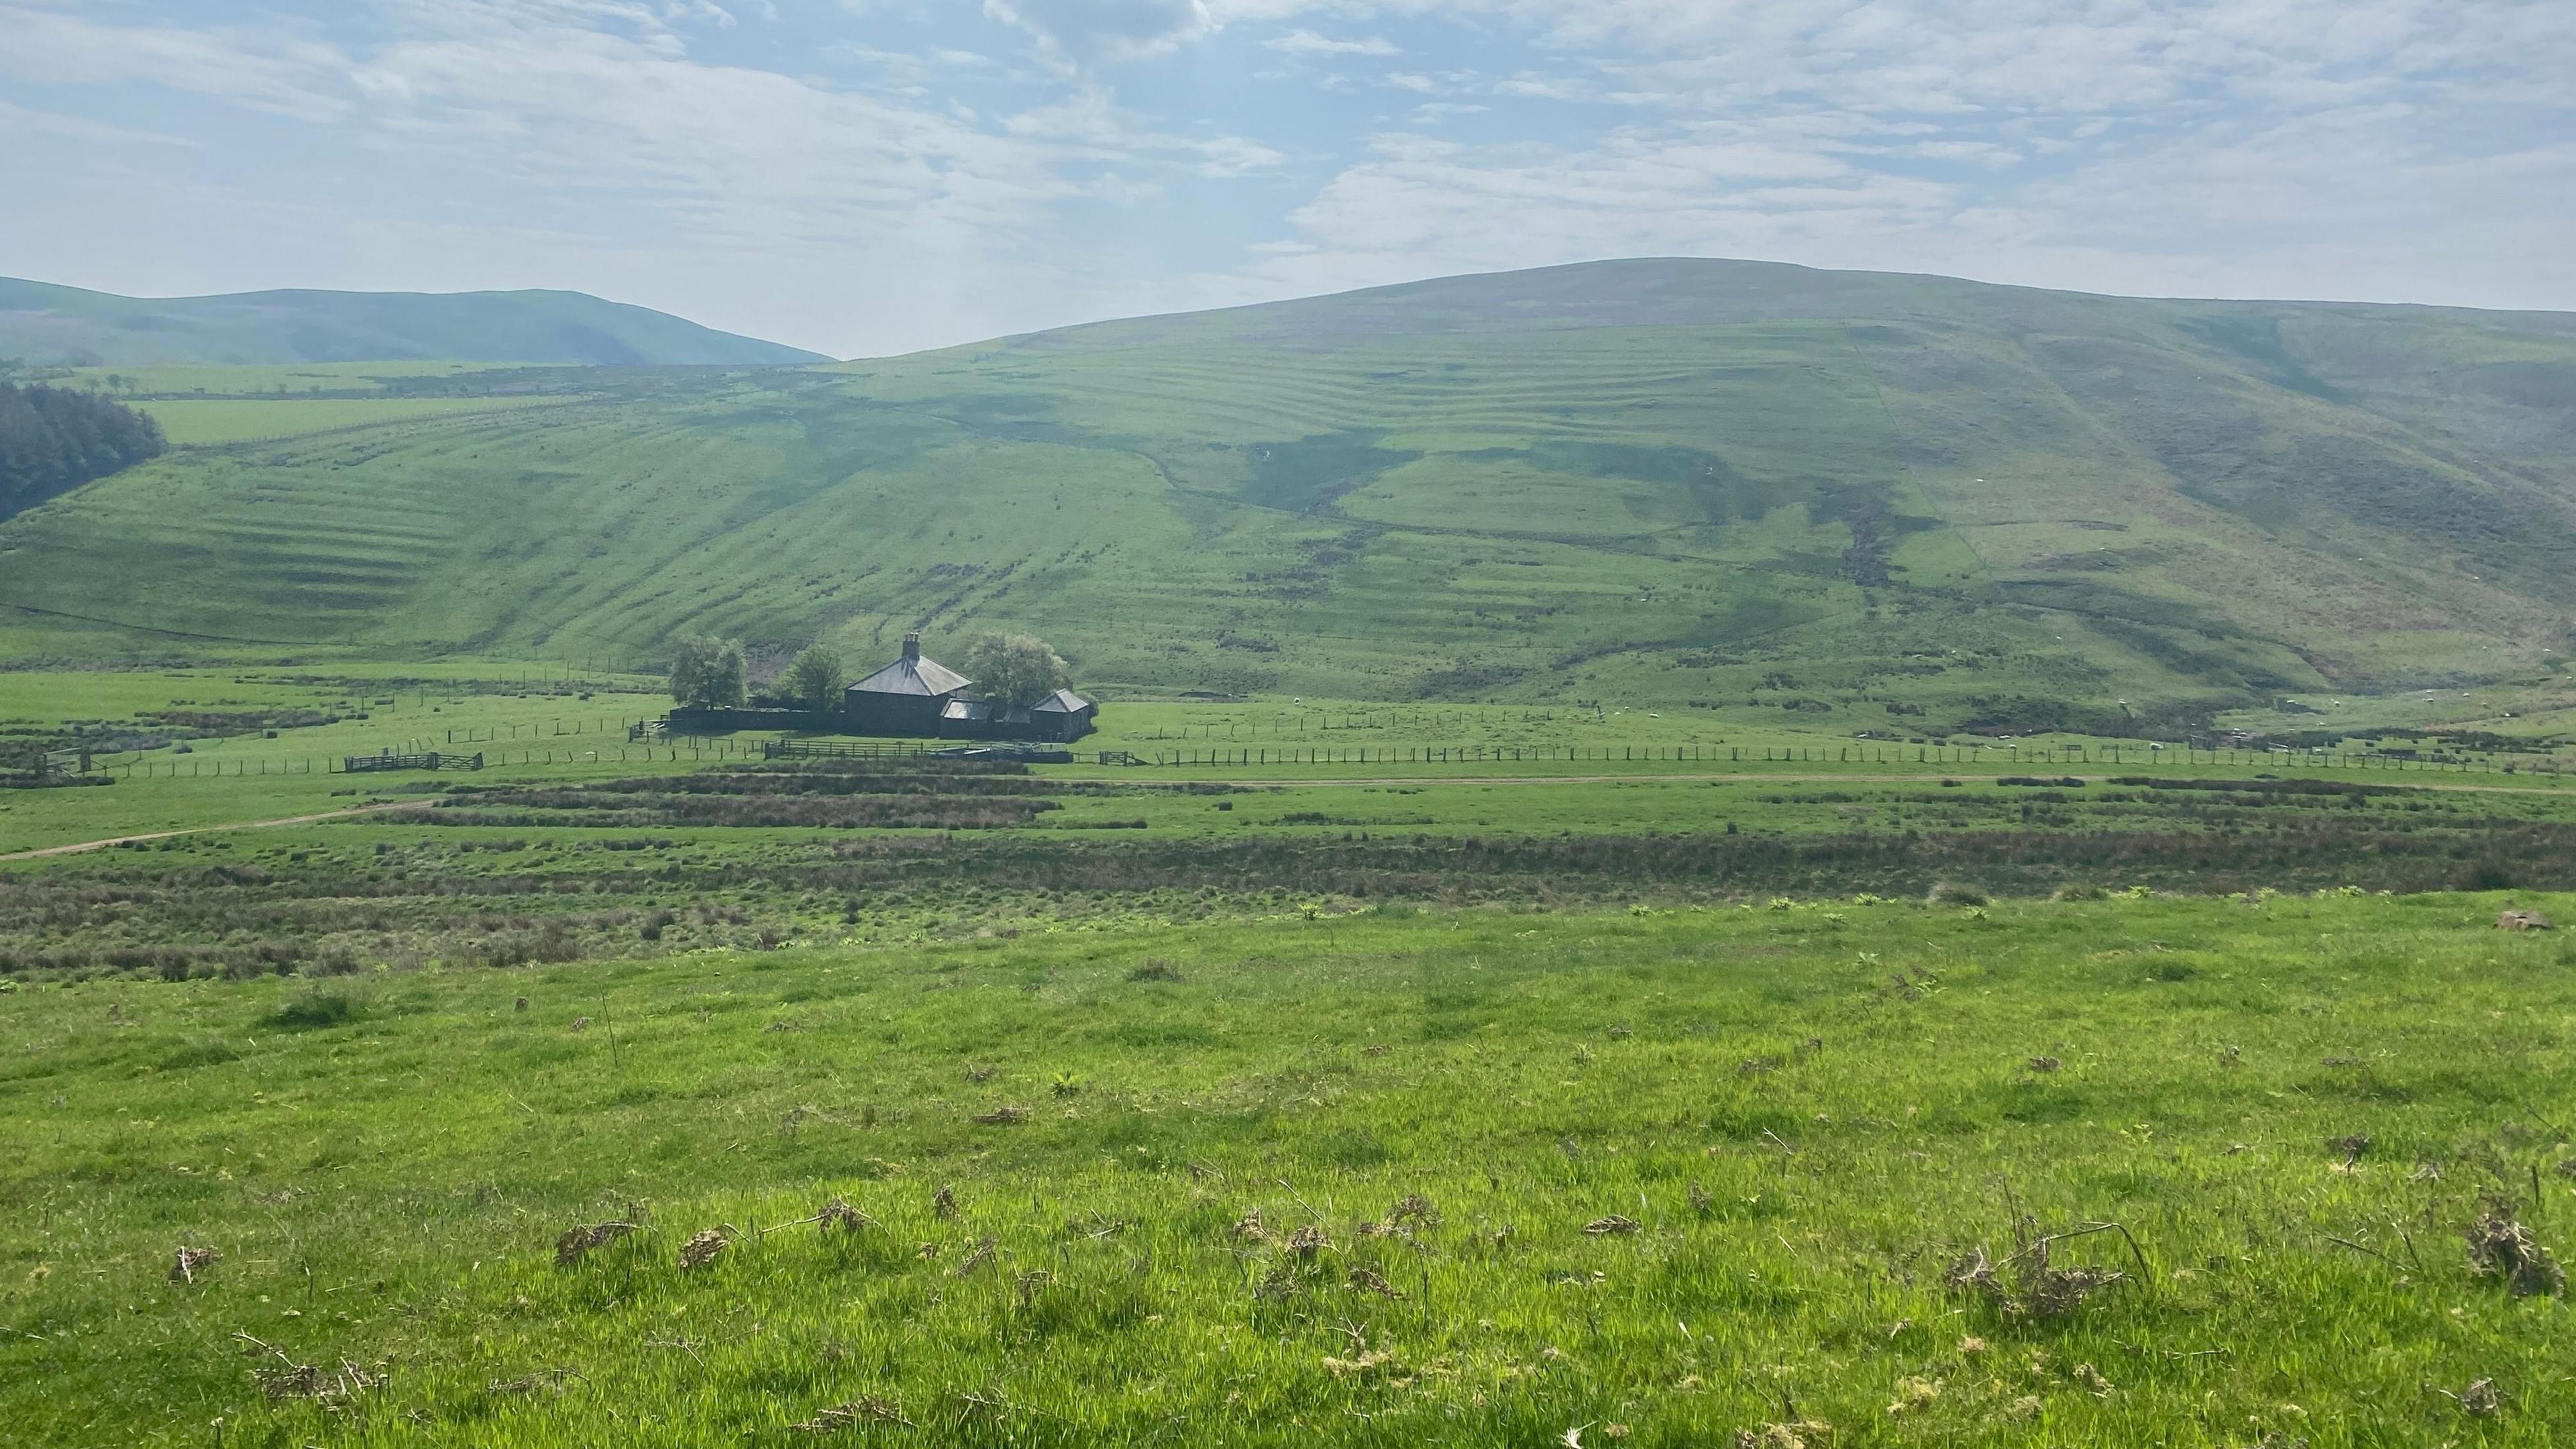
[{"x": 53, "y": 440}]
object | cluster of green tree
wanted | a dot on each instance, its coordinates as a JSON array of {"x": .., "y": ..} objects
[
  {"x": 53, "y": 440},
  {"x": 1013, "y": 669}
]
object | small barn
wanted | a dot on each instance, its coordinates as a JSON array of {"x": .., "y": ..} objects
[
  {"x": 1063, "y": 716},
  {"x": 906, "y": 697},
  {"x": 1060, "y": 718}
]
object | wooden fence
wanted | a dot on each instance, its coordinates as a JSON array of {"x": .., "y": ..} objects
[{"x": 426, "y": 760}]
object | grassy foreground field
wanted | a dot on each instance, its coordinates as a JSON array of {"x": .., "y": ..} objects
[{"x": 1399, "y": 1177}]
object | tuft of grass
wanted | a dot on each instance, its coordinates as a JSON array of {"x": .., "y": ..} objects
[{"x": 317, "y": 1007}]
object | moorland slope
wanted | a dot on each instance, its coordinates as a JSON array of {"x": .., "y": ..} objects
[
  {"x": 66, "y": 326},
  {"x": 1878, "y": 502}
]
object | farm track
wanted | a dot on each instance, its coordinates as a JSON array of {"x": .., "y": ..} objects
[{"x": 116, "y": 840}]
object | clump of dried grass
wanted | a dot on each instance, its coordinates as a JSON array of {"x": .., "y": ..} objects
[
  {"x": 1612, "y": 1226},
  {"x": 838, "y": 1216},
  {"x": 1363, "y": 1364},
  {"x": 1914, "y": 1395},
  {"x": 192, "y": 1261},
  {"x": 1798, "y": 1435},
  {"x": 865, "y": 1409},
  {"x": 2480, "y": 1400},
  {"x": 702, "y": 1249},
  {"x": 577, "y": 1240},
  {"x": 1306, "y": 1242},
  {"x": 943, "y": 1203},
  {"x": 2027, "y": 1283},
  {"x": 2501, "y": 1247},
  {"x": 310, "y": 1381},
  {"x": 982, "y": 1254},
  {"x": 1368, "y": 1281},
  {"x": 529, "y": 1383},
  {"x": 1003, "y": 1116},
  {"x": 1414, "y": 1208}
]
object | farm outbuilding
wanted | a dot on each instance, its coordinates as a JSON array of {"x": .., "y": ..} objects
[
  {"x": 919, "y": 697},
  {"x": 1061, "y": 717}
]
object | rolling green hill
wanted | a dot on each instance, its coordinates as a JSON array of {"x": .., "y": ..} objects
[
  {"x": 66, "y": 326},
  {"x": 1876, "y": 502}
]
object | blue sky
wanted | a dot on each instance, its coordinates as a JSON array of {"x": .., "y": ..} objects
[{"x": 871, "y": 176}]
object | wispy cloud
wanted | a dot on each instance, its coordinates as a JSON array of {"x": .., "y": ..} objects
[
  {"x": 1307, "y": 42},
  {"x": 1087, "y": 31}
]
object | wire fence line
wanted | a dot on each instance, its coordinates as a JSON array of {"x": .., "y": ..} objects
[{"x": 700, "y": 750}]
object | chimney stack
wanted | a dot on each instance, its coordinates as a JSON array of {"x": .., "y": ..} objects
[{"x": 912, "y": 646}]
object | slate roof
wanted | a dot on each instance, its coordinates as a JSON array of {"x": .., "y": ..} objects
[
  {"x": 1063, "y": 701},
  {"x": 913, "y": 675}
]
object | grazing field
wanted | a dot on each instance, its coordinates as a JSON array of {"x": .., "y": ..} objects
[
  {"x": 191, "y": 421},
  {"x": 2114, "y": 1172}
]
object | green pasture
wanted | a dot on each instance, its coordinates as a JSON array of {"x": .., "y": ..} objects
[
  {"x": 192, "y": 421},
  {"x": 1400, "y": 1177},
  {"x": 254, "y": 742},
  {"x": 271, "y": 381}
]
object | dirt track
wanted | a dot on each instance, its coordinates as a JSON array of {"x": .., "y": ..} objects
[{"x": 194, "y": 830}]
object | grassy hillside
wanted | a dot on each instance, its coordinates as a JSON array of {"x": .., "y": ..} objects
[
  {"x": 50, "y": 325},
  {"x": 1873, "y": 503}
]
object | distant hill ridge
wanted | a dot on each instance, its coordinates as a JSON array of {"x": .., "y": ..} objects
[
  {"x": 1698, "y": 292},
  {"x": 52, "y": 325}
]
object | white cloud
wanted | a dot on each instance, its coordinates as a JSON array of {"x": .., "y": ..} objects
[
  {"x": 1307, "y": 42},
  {"x": 21, "y": 121},
  {"x": 283, "y": 76},
  {"x": 1088, "y": 31}
]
